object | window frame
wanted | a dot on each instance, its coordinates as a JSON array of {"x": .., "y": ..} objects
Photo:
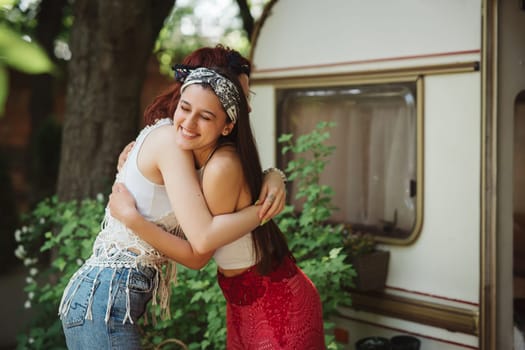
[{"x": 418, "y": 81}]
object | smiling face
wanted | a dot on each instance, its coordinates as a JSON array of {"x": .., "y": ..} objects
[{"x": 200, "y": 120}]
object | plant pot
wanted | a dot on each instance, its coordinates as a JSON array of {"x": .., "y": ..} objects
[
  {"x": 373, "y": 343},
  {"x": 371, "y": 270},
  {"x": 405, "y": 342}
]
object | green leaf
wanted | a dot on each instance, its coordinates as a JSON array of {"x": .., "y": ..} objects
[
  {"x": 285, "y": 138},
  {"x": 4, "y": 87},
  {"x": 60, "y": 264},
  {"x": 7, "y": 3},
  {"x": 22, "y": 55}
]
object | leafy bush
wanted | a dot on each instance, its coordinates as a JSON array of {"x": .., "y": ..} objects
[
  {"x": 198, "y": 312},
  {"x": 67, "y": 231},
  {"x": 316, "y": 243},
  {"x": 62, "y": 233}
]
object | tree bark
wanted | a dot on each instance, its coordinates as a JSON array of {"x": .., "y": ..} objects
[
  {"x": 111, "y": 41},
  {"x": 42, "y": 159},
  {"x": 247, "y": 18}
]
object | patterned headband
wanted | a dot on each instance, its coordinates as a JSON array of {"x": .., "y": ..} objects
[{"x": 222, "y": 87}]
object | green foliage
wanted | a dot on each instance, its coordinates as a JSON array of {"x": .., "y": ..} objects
[
  {"x": 65, "y": 232},
  {"x": 198, "y": 312},
  {"x": 4, "y": 87},
  {"x": 22, "y": 55},
  {"x": 58, "y": 237},
  {"x": 19, "y": 54},
  {"x": 316, "y": 243},
  {"x": 359, "y": 243},
  {"x": 20, "y": 15},
  {"x": 174, "y": 43}
]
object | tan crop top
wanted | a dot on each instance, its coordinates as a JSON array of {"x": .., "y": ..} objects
[{"x": 237, "y": 254}]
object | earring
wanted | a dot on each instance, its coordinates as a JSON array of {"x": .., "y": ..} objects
[{"x": 225, "y": 133}]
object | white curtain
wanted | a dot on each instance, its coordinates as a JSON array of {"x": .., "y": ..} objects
[{"x": 375, "y": 158}]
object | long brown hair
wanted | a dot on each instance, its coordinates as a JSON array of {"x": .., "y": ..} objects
[
  {"x": 164, "y": 105},
  {"x": 269, "y": 242}
]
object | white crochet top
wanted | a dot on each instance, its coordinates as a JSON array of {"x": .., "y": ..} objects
[{"x": 117, "y": 246}]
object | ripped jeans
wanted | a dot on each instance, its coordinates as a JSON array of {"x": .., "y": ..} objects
[{"x": 101, "y": 305}]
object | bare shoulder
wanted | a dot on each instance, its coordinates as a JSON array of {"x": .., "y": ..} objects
[
  {"x": 163, "y": 134},
  {"x": 223, "y": 181},
  {"x": 161, "y": 143},
  {"x": 160, "y": 155},
  {"x": 224, "y": 164}
]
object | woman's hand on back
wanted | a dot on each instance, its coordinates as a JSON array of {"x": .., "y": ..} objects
[
  {"x": 123, "y": 156},
  {"x": 273, "y": 196},
  {"x": 122, "y": 204}
]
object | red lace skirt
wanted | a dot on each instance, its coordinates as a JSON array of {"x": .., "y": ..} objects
[{"x": 281, "y": 310}]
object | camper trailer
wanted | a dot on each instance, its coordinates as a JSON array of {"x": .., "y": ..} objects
[{"x": 428, "y": 98}]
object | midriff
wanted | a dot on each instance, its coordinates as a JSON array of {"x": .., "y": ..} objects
[{"x": 232, "y": 272}]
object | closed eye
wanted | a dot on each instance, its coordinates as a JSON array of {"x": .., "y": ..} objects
[{"x": 185, "y": 106}]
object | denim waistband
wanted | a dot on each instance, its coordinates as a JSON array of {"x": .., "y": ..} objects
[{"x": 158, "y": 280}]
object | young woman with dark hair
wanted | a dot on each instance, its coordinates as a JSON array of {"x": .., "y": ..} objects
[
  {"x": 271, "y": 304},
  {"x": 273, "y": 192},
  {"x": 164, "y": 105},
  {"x": 110, "y": 291}
]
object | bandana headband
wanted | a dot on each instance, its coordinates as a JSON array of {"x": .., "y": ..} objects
[{"x": 222, "y": 87}]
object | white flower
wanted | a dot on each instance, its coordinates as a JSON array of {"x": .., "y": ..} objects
[
  {"x": 29, "y": 279},
  {"x": 27, "y": 304},
  {"x": 33, "y": 271},
  {"x": 28, "y": 261},
  {"x": 24, "y": 229},
  {"x": 18, "y": 235},
  {"x": 20, "y": 252},
  {"x": 42, "y": 220},
  {"x": 31, "y": 340},
  {"x": 31, "y": 295},
  {"x": 100, "y": 197},
  {"x": 79, "y": 262}
]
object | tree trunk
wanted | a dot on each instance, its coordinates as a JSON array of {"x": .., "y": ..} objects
[
  {"x": 247, "y": 18},
  {"x": 44, "y": 135},
  {"x": 111, "y": 41}
]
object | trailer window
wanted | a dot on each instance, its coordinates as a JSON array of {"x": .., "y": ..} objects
[{"x": 373, "y": 170}]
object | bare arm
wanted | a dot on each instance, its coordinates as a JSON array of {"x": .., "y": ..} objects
[
  {"x": 273, "y": 191},
  {"x": 204, "y": 231},
  {"x": 123, "y": 208}
]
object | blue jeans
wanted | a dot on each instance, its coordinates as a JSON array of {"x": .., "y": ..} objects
[{"x": 86, "y": 321}]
